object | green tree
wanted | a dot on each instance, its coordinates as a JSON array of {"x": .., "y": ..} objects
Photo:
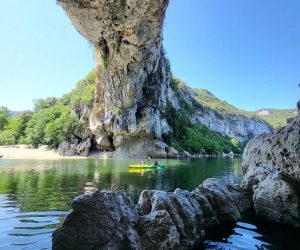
[
  {"x": 82, "y": 94},
  {"x": 40, "y": 104},
  {"x": 4, "y": 112},
  {"x": 35, "y": 131},
  {"x": 63, "y": 128},
  {"x": 7, "y": 138},
  {"x": 53, "y": 125},
  {"x": 23, "y": 118}
]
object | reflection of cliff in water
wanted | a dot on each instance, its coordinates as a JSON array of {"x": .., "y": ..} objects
[
  {"x": 43, "y": 185},
  {"x": 35, "y": 195}
]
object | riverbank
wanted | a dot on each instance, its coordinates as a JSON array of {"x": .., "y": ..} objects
[{"x": 19, "y": 152}]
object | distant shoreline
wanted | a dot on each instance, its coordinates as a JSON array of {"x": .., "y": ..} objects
[{"x": 25, "y": 152}]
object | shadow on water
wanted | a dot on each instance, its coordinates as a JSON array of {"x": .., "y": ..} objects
[
  {"x": 36, "y": 195},
  {"x": 252, "y": 232}
]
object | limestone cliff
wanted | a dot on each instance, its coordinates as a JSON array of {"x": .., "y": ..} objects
[
  {"x": 216, "y": 114},
  {"x": 271, "y": 166},
  {"x": 133, "y": 79}
]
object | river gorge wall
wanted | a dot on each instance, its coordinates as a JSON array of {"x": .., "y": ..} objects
[{"x": 133, "y": 81}]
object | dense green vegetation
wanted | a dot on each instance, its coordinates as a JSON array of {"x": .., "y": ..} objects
[
  {"x": 12, "y": 128},
  {"x": 276, "y": 117},
  {"x": 196, "y": 138},
  {"x": 82, "y": 94},
  {"x": 51, "y": 126},
  {"x": 53, "y": 119},
  {"x": 57, "y": 119}
]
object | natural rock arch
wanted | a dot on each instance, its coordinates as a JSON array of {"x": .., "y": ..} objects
[{"x": 132, "y": 80}]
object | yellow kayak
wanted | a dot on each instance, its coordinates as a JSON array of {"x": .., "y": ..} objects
[{"x": 145, "y": 166}]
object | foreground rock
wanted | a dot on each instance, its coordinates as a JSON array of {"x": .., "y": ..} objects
[
  {"x": 271, "y": 166},
  {"x": 160, "y": 220}
]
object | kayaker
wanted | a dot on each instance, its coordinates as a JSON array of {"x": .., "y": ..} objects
[{"x": 156, "y": 163}]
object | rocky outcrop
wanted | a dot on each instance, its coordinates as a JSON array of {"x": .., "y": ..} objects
[
  {"x": 160, "y": 220},
  {"x": 240, "y": 127},
  {"x": 271, "y": 166},
  {"x": 133, "y": 79},
  {"x": 233, "y": 123},
  {"x": 67, "y": 148},
  {"x": 172, "y": 152}
]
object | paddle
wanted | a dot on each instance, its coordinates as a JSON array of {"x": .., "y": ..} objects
[
  {"x": 156, "y": 164},
  {"x": 151, "y": 159}
]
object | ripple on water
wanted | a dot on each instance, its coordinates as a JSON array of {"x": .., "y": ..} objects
[
  {"x": 26, "y": 230},
  {"x": 241, "y": 236}
]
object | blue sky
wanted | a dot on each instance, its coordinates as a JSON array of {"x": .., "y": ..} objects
[{"x": 245, "y": 52}]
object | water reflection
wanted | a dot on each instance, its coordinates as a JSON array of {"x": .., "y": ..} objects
[
  {"x": 40, "y": 184},
  {"x": 26, "y": 230},
  {"x": 36, "y": 195},
  {"x": 252, "y": 232}
]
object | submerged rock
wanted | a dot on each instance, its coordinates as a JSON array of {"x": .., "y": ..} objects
[
  {"x": 160, "y": 220},
  {"x": 271, "y": 166}
]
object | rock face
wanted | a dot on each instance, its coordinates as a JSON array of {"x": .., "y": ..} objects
[
  {"x": 160, "y": 220},
  {"x": 133, "y": 78},
  {"x": 237, "y": 126},
  {"x": 82, "y": 148},
  {"x": 271, "y": 166}
]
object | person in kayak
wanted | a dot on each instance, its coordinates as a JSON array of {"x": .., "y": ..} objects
[{"x": 156, "y": 163}]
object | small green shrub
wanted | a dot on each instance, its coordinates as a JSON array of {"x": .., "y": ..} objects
[
  {"x": 118, "y": 110},
  {"x": 101, "y": 58},
  {"x": 7, "y": 138}
]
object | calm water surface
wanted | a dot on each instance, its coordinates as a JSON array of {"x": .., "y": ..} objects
[{"x": 36, "y": 195}]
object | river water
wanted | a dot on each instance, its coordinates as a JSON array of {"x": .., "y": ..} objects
[{"x": 36, "y": 195}]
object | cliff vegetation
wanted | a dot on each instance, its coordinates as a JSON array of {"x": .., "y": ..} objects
[
  {"x": 276, "y": 117},
  {"x": 196, "y": 138},
  {"x": 58, "y": 119},
  {"x": 54, "y": 119}
]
